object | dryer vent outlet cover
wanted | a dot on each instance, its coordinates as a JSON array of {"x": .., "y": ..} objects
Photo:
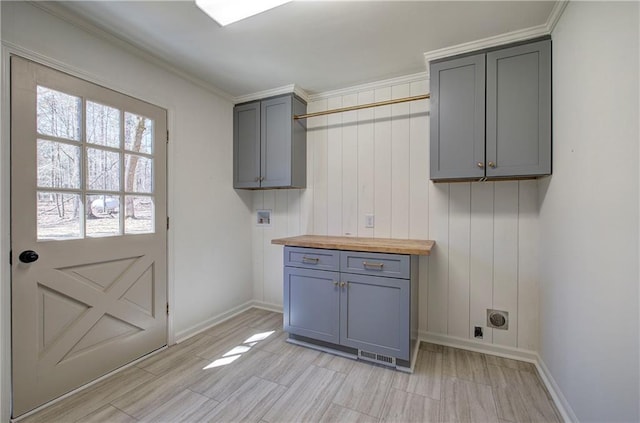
[{"x": 498, "y": 319}]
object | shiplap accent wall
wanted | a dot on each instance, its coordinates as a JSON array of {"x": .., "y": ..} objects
[{"x": 377, "y": 161}]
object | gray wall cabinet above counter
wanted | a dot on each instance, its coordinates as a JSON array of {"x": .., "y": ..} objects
[
  {"x": 491, "y": 114},
  {"x": 269, "y": 147}
]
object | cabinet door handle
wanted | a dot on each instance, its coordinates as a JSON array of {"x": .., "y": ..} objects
[
  {"x": 335, "y": 283},
  {"x": 311, "y": 260},
  {"x": 261, "y": 178},
  {"x": 492, "y": 165},
  {"x": 480, "y": 165},
  {"x": 343, "y": 284},
  {"x": 378, "y": 266},
  {"x": 257, "y": 179}
]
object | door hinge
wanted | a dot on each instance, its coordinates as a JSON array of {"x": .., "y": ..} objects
[
  {"x": 167, "y": 309},
  {"x": 167, "y": 222},
  {"x": 167, "y": 136},
  {"x": 10, "y": 257}
]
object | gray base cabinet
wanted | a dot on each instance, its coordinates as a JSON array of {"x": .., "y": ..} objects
[
  {"x": 269, "y": 146},
  {"x": 491, "y": 114},
  {"x": 361, "y": 303}
]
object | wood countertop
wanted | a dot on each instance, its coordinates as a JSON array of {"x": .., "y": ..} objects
[{"x": 376, "y": 245}]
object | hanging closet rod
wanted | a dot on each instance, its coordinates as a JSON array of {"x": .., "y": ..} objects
[{"x": 363, "y": 106}]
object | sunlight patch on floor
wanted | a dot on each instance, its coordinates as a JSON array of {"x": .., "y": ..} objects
[{"x": 237, "y": 351}]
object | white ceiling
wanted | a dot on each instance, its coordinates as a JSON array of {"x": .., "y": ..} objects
[{"x": 317, "y": 45}]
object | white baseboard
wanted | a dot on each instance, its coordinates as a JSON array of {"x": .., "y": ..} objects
[
  {"x": 276, "y": 308},
  {"x": 481, "y": 347},
  {"x": 212, "y": 321},
  {"x": 558, "y": 398},
  {"x": 216, "y": 320},
  {"x": 556, "y": 393}
]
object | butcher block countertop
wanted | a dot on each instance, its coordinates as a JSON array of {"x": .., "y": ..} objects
[{"x": 348, "y": 243}]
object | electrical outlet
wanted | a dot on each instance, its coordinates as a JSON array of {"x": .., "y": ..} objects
[
  {"x": 478, "y": 332},
  {"x": 369, "y": 220}
]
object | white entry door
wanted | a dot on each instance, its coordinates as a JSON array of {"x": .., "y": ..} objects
[{"x": 88, "y": 232}]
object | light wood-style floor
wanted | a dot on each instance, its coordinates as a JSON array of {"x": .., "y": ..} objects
[{"x": 272, "y": 381}]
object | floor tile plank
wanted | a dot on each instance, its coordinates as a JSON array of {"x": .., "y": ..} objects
[
  {"x": 520, "y": 397},
  {"x": 220, "y": 382},
  {"x": 94, "y": 397},
  {"x": 290, "y": 363},
  {"x": 184, "y": 407},
  {"x": 336, "y": 413},
  {"x": 154, "y": 394},
  {"x": 108, "y": 413},
  {"x": 465, "y": 401},
  {"x": 161, "y": 363},
  {"x": 365, "y": 388},
  {"x": 248, "y": 403},
  {"x": 426, "y": 378},
  {"x": 308, "y": 398},
  {"x": 402, "y": 406},
  {"x": 467, "y": 365},
  {"x": 334, "y": 362}
]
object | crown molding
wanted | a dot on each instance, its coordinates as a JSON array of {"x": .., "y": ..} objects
[
  {"x": 421, "y": 76},
  {"x": 407, "y": 79},
  {"x": 74, "y": 19},
  {"x": 556, "y": 12},
  {"x": 498, "y": 40},
  {"x": 285, "y": 89}
]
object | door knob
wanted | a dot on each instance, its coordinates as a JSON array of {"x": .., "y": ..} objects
[
  {"x": 28, "y": 256},
  {"x": 480, "y": 165}
]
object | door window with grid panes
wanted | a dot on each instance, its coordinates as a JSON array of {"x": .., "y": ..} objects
[{"x": 95, "y": 168}]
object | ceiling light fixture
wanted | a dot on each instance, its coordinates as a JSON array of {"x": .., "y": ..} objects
[{"x": 226, "y": 12}]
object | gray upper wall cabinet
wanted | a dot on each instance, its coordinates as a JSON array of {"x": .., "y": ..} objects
[
  {"x": 269, "y": 147},
  {"x": 491, "y": 114}
]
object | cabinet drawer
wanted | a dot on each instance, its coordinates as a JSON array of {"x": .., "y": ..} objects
[
  {"x": 312, "y": 258},
  {"x": 391, "y": 265}
]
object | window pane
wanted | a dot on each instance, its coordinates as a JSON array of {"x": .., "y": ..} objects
[
  {"x": 140, "y": 215},
  {"x": 103, "y": 170},
  {"x": 59, "y": 216},
  {"x": 102, "y": 215},
  {"x": 58, "y": 165},
  {"x": 139, "y": 174},
  {"x": 138, "y": 133},
  {"x": 59, "y": 114},
  {"x": 103, "y": 125}
]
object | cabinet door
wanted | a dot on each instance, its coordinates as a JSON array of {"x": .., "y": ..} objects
[
  {"x": 311, "y": 303},
  {"x": 457, "y": 118},
  {"x": 375, "y": 314},
  {"x": 246, "y": 146},
  {"x": 519, "y": 110},
  {"x": 276, "y": 129}
]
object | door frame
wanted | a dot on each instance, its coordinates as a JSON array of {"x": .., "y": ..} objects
[{"x": 5, "y": 204}]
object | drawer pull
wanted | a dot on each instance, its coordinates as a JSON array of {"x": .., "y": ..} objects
[
  {"x": 378, "y": 266},
  {"x": 311, "y": 260}
]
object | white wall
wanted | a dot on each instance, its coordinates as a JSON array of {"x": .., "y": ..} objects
[
  {"x": 377, "y": 161},
  {"x": 589, "y": 214},
  {"x": 209, "y": 234}
]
